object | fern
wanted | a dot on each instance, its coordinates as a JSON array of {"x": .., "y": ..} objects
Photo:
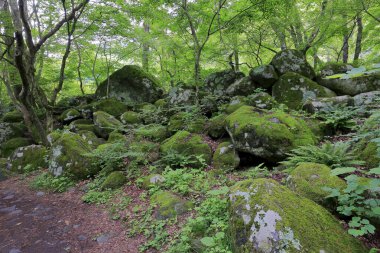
[{"x": 333, "y": 155}]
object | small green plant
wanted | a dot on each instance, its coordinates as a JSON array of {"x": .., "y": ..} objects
[
  {"x": 334, "y": 155},
  {"x": 48, "y": 182},
  {"x": 97, "y": 197},
  {"x": 360, "y": 201},
  {"x": 339, "y": 118},
  {"x": 176, "y": 160}
]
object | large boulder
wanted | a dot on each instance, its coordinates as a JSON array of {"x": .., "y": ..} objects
[
  {"x": 353, "y": 84},
  {"x": 267, "y": 217},
  {"x": 264, "y": 76},
  {"x": 187, "y": 144},
  {"x": 241, "y": 87},
  {"x": 69, "y": 115},
  {"x": 308, "y": 180},
  {"x": 7, "y": 148},
  {"x": 109, "y": 105},
  {"x": 181, "y": 94},
  {"x": 153, "y": 132},
  {"x": 325, "y": 104},
  {"x": 291, "y": 60},
  {"x": 11, "y": 130},
  {"x": 262, "y": 100},
  {"x": 333, "y": 68},
  {"x": 131, "y": 84},
  {"x": 294, "y": 90},
  {"x": 105, "y": 124},
  {"x": 368, "y": 99},
  {"x": 269, "y": 135},
  {"x": 69, "y": 155},
  {"x": 33, "y": 156},
  {"x": 217, "y": 83}
]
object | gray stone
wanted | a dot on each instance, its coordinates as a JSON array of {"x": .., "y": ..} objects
[{"x": 264, "y": 76}]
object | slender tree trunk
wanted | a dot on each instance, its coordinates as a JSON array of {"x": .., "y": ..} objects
[
  {"x": 145, "y": 53},
  {"x": 79, "y": 67},
  {"x": 359, "y": 36},
  {"x": 345, "y": 47},
  {"x": 197, "y": 66}
]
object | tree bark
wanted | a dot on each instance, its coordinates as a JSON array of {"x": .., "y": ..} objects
[
  {"x": 359, "y": 36},
  {"x": 146, "y": 48}
]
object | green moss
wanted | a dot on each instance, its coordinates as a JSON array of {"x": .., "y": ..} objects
[
  {"x": 176, "y": 122},
  {"x": 68, "y": 155},
  {"x": 111, "y": 106},
  {"x": 370, "y": 155},
  {"x": 216, "y": 126},
  {"x": 169, "y": 205},
  {"x": 69, "y": 115},
  {"x": 115, "y": 136},
  {"x": 225, "y": 157},
  {"x": 261, "y": 100},
  {"x": 161, "y": 103},
  {"x": 9, "y": 146},
  {"x": 82, "y": 125},
  {"x": 308, "y": 179},
  {"x": 266, "y": 215},
  {"x": 90, "y": 138},
  {"x": 235, "y": 104},
  {"x": 114, "y": 180},
  {"x": 154, "y": 132},
  {"x": 106, "y": 123},
  {"x": 187, "y": 144},
  {"x": 131, "y": 117},
  {"x": 152, "y": 180},
  {"x": 13, "y": 117},
  {"x": 33, "y": 156},
  {"x": 187, "y": 121},
  {"x": 294, "y": 90},
  {"x": 267, "y": 134}
]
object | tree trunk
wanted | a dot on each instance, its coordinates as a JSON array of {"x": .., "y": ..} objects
[
  {"x": 197, "y": 66},
  {"x": 359, "y": 36},
  {"x": 145, "y": 53}
]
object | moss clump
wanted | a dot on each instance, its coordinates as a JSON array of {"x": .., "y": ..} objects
[
  {"x": 110, "y": 105},
  {"x": 370, "y": 155},
  {"x": 145, "y": 151},
  {"x": 261, "y": 100},
  {"x": 69, "y": 115},
  {"x": 33, "y": 156},
  {"x": 114, "y": 180},
  {"x": 115, "y": 136},
  {"x": 161, "y": 103},
  {"x": 152, "y": 180},
  {"x": 169, "y": 205},
  {"x": 225, "y": 157},
  {"x": 106, "y": 123},
  {"x": 187, "y": 144},
  {"x": 187, "y": 121},
  {"x": 235, "y": 104},
  {"x": 82, "y": 125},
  {"x": 131, "y": 117},
  {"x": 308, "y": 179},
  {"x": 216, "y": 126},
  {"x": 9, "y": 146},
  {"x": 13, "y": 117},
  {"x": 68, "y": 155},
  {"x": 265, "y": 215},
  {"x": 154, "y": 132},
  {"x": 270, "y": 135},
  {"x": 90, "y": 138},
  {"x": 294, "y": 90}
]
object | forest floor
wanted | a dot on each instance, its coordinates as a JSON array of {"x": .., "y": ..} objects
[{"x": 41, "y": 222}]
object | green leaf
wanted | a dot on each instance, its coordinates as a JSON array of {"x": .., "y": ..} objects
[
  {"x": 356, "y": 232},
  {"x": 375, "y": 171},
  {"x": 208, "y": 241},
  {"x": 342, "y": 170}
]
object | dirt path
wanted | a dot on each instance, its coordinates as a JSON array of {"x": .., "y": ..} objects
[{"x": 38, "y": 222}]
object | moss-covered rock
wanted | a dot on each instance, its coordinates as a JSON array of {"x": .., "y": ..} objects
[
  {"x": 264, "y": 76},
  {"x": 91, "y": 138},
  {"x": 131, "y": 117},
  {"x": 33, "y": 156},
  {"x": 114, "y": 180},
  {"x": 11, "y": 130},
  {"x": 235, "y": 103},
  {"x": 152, "y": 180},
  {"x": 169, "y": 205},
  {"x": 181, "y": 95},
  {"x": 333, "y": 68},
  {"x": 161, "y": 103},
  {"x": 352, "y": 85},
  {"x": 225, "y": 157},
  {"x": 216, "y": 126},
  {"x": 291, "y": 60},
  {"x": 147, "y": 150},
  {"x": 13, "y": 117},
  {"x": 369, "y": 153},
  {"x": 308, "y": 179},
  {"x": 110, "y": 105},
  {"x": 68, "y": 155},
  {"x": 116, "y": 136},
  {"x": 294, "y": 90},
  {"x": 320, "y": 104},
  {"x": 82, "y": 125},
  {"x": 131, "y": 84},
  {"x": 261, "y": 100},
  {"x": 154, "y": 132},
  {"x": 105, "y": 124},
  {"x": 187, "y": 121},
  {"x": 268, "y": 217},
  {"x": 7, "y": 148},
  {"x": 269, "y": 135},
  {"x": 187, "y": 144},
  {"x": 70, "y": 115},
  {"x": 241, "y": 87},
  {"x": 217, "y": 83}
]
